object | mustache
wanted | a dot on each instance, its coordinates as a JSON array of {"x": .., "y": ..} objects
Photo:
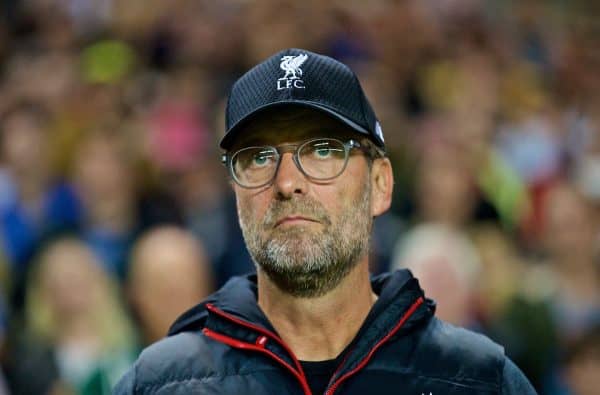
[{"x": 306, "y": 207}]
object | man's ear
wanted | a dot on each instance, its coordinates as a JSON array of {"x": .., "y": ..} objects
[{"x": 382, "y": 184}]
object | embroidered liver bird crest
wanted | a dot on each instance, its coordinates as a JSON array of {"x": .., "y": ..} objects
[{"x": 291, "y": 66}]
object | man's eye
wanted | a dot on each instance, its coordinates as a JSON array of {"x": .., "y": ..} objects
[
  {"x": 323, "y": 152},
  {"x": 262, "y": 159}
]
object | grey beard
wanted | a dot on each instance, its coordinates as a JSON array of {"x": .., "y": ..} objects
[{"x": 304, "y": 263}]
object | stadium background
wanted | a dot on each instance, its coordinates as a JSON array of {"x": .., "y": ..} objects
[{"x": 116, "y": 215}]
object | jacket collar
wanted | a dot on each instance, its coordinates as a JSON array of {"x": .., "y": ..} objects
[{"x": 238, "y": 297}]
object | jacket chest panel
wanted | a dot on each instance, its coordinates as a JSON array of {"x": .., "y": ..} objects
[
  {"x": 394, "y": 383},
  {"x": 270, "y": 382}
]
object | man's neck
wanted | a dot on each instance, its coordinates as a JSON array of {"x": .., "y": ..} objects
[{"x": 318, "y": 329}]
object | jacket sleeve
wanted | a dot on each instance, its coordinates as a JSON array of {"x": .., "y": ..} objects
[
  {"x": 126, "y": 386},
  {"x": 514, "y": 381}
]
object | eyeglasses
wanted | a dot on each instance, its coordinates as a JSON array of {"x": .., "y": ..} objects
[{"x": 320, "y": 159}]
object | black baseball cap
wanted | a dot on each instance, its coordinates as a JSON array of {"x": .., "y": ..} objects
[{"x": 302, "y": 78}]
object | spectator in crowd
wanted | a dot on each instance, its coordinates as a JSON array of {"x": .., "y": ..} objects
[
  {"x": 429, "y": 250},
  {"x": 571, "y": 240},
  {"x": 35, "y": 203},
  {"x": 169, "y": 273},
  {"x": 582, "y": 364},
  {"x": 103, "y": 175},
  {"x": 502, "y": 268},
  {"x": 77, "y": 335}
]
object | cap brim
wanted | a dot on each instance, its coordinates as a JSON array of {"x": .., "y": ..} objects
[{"x": 233, "y": 131}]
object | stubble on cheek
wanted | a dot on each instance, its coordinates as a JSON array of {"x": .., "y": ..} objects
[{"x": 260, "y": 231}]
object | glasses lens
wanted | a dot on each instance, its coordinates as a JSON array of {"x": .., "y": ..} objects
[
  {"x": 254, "y": 166},
  {"x": 323, "y": 159}
]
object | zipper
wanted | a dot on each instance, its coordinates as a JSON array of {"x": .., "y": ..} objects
[
  {"x": 368, "y": 357},
  {"x": 259, "y": 346}
]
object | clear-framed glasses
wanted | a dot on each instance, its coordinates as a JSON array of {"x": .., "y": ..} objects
[{"x": 320, "y": 159}]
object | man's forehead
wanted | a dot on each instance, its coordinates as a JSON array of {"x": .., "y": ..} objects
[{"x": 290, "y": 125}]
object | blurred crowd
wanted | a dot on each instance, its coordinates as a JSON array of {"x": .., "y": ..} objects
[{"x": 116, "y": 214}]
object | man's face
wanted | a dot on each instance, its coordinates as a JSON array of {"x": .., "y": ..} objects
[{"x": 305, "y": 235}]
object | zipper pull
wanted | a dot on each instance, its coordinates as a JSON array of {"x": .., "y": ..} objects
[{"x": 261, "y": 341}]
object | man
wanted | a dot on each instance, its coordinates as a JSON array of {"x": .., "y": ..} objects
[
  {"x": 307, "y": 160},
  {"x": 169, "y": 272}
]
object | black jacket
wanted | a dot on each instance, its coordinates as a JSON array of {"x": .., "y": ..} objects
[{"x": 226, "y": 345}]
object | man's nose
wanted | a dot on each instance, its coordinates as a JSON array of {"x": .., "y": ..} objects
[{"x": 289, "y": 180}]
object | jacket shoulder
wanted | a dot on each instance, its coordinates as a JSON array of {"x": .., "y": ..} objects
[
  {"x": 175, "y": 359},
  {"x": 459, "y": 355}
]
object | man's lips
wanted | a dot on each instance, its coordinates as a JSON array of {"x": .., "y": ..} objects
[{"x": 294, "y": 219}]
